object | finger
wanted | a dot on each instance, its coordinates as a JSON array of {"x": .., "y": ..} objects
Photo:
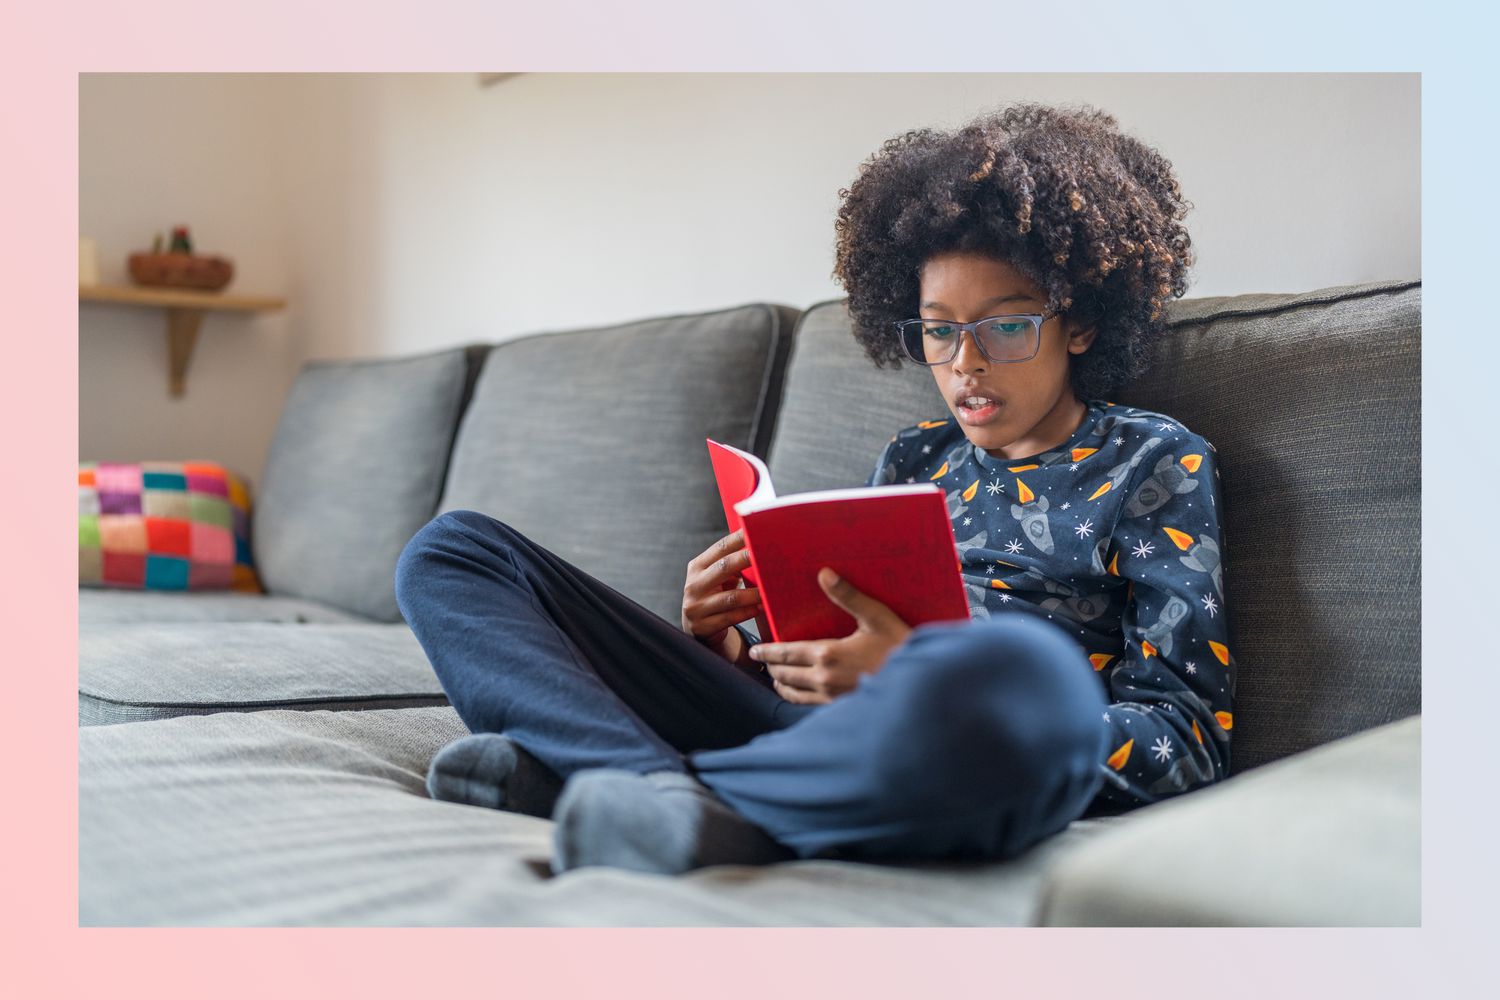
[
  {"x": 797, "y": 675},
  {"x": 726, "y": 619},
  {"x": 720, "y": 601},
  {"x": 870, "y": 613},
  {"x": 797, "y": 695},
  {"x": 729, "y": 543},
  {"x": 794, "y": 676},
  {"x": 796, "y": 654},
  {"x": 728, "y": 568},
  {"x": 720, "y": 574}
]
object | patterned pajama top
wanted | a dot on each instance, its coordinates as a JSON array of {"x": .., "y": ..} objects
[{"x": 1114, "y": 536}]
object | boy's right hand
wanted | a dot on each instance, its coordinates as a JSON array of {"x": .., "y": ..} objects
[{"x": 713, "y": 600}]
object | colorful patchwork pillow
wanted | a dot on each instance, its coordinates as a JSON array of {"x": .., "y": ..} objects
[{"x": 164, "y": 525}]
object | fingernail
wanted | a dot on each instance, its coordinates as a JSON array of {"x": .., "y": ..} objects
[{"x": 754, "y": 652}]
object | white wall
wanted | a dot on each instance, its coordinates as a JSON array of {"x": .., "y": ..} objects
[
  {"x": 404, "y": 213},
  {"x": 154, "y": 151}
]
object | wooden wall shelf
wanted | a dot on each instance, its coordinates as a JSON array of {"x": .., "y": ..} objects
[{"x": 185, "y": 308}]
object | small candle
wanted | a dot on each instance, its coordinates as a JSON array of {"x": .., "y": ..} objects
[{"x": 88, "y": 261}]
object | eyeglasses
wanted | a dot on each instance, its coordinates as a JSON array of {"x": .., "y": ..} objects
[{"x": 1001, "y": 339}]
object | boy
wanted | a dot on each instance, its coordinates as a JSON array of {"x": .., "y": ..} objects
[{"x": 1025, "y": 259}]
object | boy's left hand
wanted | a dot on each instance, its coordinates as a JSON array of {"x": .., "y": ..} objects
[{"x": 820, "y": 670}]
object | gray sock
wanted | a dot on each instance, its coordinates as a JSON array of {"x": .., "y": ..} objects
[
  {"x": 665, "y": 822},
  {"x": 487, "y": 769}
]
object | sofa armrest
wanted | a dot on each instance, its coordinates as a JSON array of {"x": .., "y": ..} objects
[{"x": 1329, "y": 836}]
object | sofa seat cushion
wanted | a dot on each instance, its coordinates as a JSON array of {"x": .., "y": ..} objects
[
  {"x": 109, "y": 606},
  {"x": 1329, "y": 837},
  {"x": 276, "y": 818},
  {"x": 591, "y": 442},
  {"x": 132, "y": 672}
]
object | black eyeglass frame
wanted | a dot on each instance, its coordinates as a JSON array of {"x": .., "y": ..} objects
[{"x": 1036, "y": 320}]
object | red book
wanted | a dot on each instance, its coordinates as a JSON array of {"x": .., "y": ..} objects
[{"x": 894, "y": 543}]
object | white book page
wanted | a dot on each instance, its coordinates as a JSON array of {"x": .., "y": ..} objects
[
  {"x": 764, "y": 491},
  {"x": 767, "y": 500}
]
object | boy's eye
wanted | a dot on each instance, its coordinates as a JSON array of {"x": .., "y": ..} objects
[{"x": 1005, "y": 328}]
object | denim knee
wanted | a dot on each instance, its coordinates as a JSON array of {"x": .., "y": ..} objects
[
  {"x": 464, "y": 522},
  {"x": 437, "y": 534},
  {"x": 1010, "y": 695}
]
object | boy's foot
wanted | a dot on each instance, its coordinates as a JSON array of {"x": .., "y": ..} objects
[
  {"x": 487, "y": 769},
  {"x": 665, "y": 822}
]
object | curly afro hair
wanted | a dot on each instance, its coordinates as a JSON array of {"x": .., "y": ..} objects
[{"x": 1090, "y": 215}]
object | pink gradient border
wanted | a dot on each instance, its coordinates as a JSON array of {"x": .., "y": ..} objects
[{"x": 47, "y": 955}]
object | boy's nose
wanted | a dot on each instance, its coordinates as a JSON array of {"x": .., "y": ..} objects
[{"x": 969, "y": 358}]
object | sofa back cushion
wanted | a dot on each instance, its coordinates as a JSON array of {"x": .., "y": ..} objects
[
  {"x": 354, "y": 469},
  {"x": 837, "y": 409},
  {"x": 1313, "y": 402},
  {"x": 591, "y": 442}
]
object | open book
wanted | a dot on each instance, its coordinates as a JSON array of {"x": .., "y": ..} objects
[{"x": 894, "y": 543}]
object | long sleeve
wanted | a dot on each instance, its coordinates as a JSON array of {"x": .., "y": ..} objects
[
  {"x": 884, "y": 471},
  {"x": 1172, "y": 689}
]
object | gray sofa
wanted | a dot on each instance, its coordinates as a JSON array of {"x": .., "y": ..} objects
[{"x": 259, "y": 759}]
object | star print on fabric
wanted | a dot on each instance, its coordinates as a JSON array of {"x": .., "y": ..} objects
[{"x": 1113, "y": 637}]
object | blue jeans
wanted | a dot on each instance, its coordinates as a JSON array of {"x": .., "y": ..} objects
[{"x": 974, "y": 740}]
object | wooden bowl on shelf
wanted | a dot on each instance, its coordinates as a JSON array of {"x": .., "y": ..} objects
[{"x": 180, "y": 270}]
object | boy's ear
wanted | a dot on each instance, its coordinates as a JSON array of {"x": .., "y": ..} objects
[{"x": 1081, "y": 340}]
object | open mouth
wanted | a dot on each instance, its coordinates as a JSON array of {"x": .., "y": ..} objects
[{"x": 975, "y": 407}]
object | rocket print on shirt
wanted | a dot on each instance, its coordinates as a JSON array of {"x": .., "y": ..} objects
[
  {"x": 1032, "y": 513},
  {"x": 1115, "y": 537}
]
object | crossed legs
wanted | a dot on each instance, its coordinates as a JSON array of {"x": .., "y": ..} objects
[{"x": 974, "y": 740}]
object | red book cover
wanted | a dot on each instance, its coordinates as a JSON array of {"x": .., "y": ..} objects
[
  {"x": 894, "y": 543},
  {"x": 739, "y": 474}
]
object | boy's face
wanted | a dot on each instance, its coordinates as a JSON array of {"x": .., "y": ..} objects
[{"x": 1032, "y": 406}]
